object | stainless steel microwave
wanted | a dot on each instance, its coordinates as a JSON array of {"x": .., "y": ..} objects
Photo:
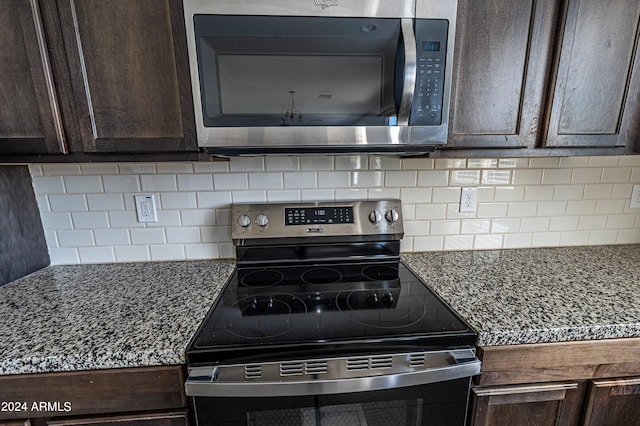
[{"x": 302, "y": 76}]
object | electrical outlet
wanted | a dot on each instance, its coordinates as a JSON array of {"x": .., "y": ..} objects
[
  {"x": 635, "y": 197},
  {"x": 146, "y": 208},
  {"x": 468, "y": 200}
]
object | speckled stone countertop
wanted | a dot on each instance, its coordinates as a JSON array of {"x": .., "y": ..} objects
[
  {"x": 86, "y": 317},
  {"x": 539, "y": 295}
]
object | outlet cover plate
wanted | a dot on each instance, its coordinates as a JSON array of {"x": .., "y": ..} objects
[
  {"x": 468, "y": 200},
  {"x": 146, "y": 208}
]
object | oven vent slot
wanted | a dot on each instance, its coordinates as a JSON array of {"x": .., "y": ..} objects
[
  {"x": 315, "y": 367},
  {"x": 291, "y": 369},
  {"x": 416, "y": 360},
  {"x": 252, "y": 371},
  {"x": 369, "y": 363}
]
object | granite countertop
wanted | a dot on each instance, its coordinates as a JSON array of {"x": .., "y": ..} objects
[
  {"x": 86, "y": 317},
  {"x": 539, "y": 295}
]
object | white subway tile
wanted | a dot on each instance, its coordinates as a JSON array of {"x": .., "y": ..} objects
[
  {"x": 416, "y": 227},
  {"x": 136, "y": 168},
  {"x": 89, "y": 220},
  {"x": 68, "y": 203},
  {"x": 458, "y": 178},
  {"x": 513, "y": 163},
  {"x": 522, "y": 209},
  {"x": 544, "y": 162},
  {"x": 121, "y": 183},
  {"x": 546, "y": 239},
  {"x": 249, "y": 197},
  {"x": 178, "y": 200},
  {"x": 35, "y": 170},
  {"x": 223, "y": 217},
  {"x": 132, "y": 253},
  {"x": 166, "y": 218},
  {"x": 111, "y": 237},
  {"x": 622, "y": 190},
  {"x": 616, "y": 175},
  {"x": 406, "y": 245},
  {"x": 198, "y": 217},
  {"x": 486, "y": 194},
  {"x": 124, "y": 219},
  {"x": 334, "y": 179},
  {"x": 319, "y": 195},
  {"x": 401, "y": 178},
  {"x": 568, "y": 192},
  {"x": 431, "y": 178},
  {"x": 631, "y": 236},
  {"x": 527, "y": 177},
  {"x": 230, "y": 181},
  {"x": 201, "y": 251},
  {"x": 635, "y": 175},
  {"x": 602, "y": 237},
  {"x": 450, "y": 163},
  {"x": 488, "y": 242},
  {"x": 458, "y": 242},
  {"x": 445, "y": 195},
  {"x": 383, "y": 193},
  {"x": 105, "y": 202},
  {"x": 417, "y": 163},
  {"x": 82, "y": 184},
  {"x": 211, "y": 167},
  {"x": 364, "y": 179},
  {"x": 620, "y": 221},
  {"x": 183, "y": 235},
  {"x": 586, "y": 175},
  {"x": 493, "y": 209},
  {"x": 574, "y": 238},
  {"x": 482, "y": 163},
  {"x": 247, "y": 164},
  {"x": 604, "y": 161},
  {"x": 159, "y": 183},
  {"x": 592, "y": 223},
  {"x": 384, "y": 162},
  {"x": 51, "y": 237},
  {"x": 75, "y": 238},
  {"x": 195, "y": 182},
  {"x": 505, "y": 226},
  {"x": 60, "y": 169},
  {"x": 445, "y": 227},
  {"x": 564, "y": 223},
  {"x": 316, "y": 162},
  {"x": 43, "y": 203},
  {"x": 534, "y": 224},
  {"x": 61, "y": 220},
  {"x": 629, "y": 161},
  {"x": 226, "y": 251},
  {"x": 509, "y": 193},
  {"x": 496, "y": 177},
  {"x": 431, "y": 211},
  {"x": 556, "y": 176},
  {"x": 283, "y": 196},
  {"x": 63, "y": 256},
  {"x": 415, "y": 195},
  {"x": 348, "y": 194},
  {"x": 300, "y": 180},
  {"x": 610, "y": 206},
  {"x": 475, "y": 226},
  {"x": 409, "y": 212},
  {"x": 574, "y": 161},
  {"x": 351, "y": 162},
  {"x": 147, "y": 236},
  {"x": 512, "y": 241},
  {"x": 286, "y": 163},
  {"x": 265, "y": 180},
  {"x": 167, "y": 252},
  {"x": 428, "y": 243},
  {"x": 174, "y": 168},
  {"x": 552, "y": 208},
  {"x": 453, "y": 212},
  {"x": 216, "y": 234},
  {"x": 581, "y": 207},
  {"x": 213, "y": 200},
  {"x": 539, "y": 193},
  {"x": 96, "y": 254},
  {"x": 48, "y": 185}
]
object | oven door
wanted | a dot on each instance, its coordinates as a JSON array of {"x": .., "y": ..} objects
[{"x": 443, "y": 403}]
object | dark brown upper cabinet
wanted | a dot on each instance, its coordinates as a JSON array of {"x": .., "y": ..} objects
[
  {"x": 560, "y": 75},
  {"x": 30, "y": 118},
  {"x": 596, "y": 95},
  {"x": 130, "y": 75}
]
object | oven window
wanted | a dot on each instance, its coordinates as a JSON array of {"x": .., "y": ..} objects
[{"x": 443, "y": 403}]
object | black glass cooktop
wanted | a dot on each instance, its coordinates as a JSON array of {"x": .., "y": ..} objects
[{"x": 325, "y": 303}]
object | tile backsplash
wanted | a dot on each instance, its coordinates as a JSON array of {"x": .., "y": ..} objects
[{"x": 89, "y": 214}]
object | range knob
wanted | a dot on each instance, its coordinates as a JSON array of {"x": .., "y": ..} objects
[
  {"x": 391, "y": 216},
  {"x": 244, "y": 220},
  {"x": 262, "y": 219},
  {"x": 375, "y": 216}
]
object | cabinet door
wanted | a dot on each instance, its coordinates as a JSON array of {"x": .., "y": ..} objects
[
  {"x": 130, "y": 74},
  {"x": 539, "y": 404},
  {"x": 501, "y": 62},
  {"x": 155, "y": 419},
  {"x": 30, "y": 120},
  {"x": 613, "y": 402},
  {"x": 596, "y": 98}
]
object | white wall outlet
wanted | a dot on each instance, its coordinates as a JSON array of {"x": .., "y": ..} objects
[
  {"x": 635, "y": 197},
  {"x": 468, "y": 200},
  {"x": 146, "y": 208}
]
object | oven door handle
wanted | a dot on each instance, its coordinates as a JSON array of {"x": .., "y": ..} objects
[{"x": 204, "y": 381}]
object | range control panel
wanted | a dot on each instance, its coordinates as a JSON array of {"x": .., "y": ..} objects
[
  {"x": 431, "y": 48},
  {"x": 316, "y": 219}
]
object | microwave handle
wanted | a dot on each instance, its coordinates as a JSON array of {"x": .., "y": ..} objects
[{"x": 410, "y": 70}]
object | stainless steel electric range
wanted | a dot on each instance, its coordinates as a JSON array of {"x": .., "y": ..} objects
[{"x": 322, "y": 324}]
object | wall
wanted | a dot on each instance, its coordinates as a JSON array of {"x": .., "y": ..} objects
[{"x": 89, "y": 215}]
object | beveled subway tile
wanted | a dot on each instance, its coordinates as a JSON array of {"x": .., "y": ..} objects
[
  {"x": 574, "y": 238},
  {"x": 488, "y": 242},
  {"x": 616, "y": 175},
  {"x": 458, "y": 242},
  {"x": 602, "y": 237},
  {"x": 544, "y": 162},
  {"x": 428, "y": 243},
  {"x": 587, "y": 175},
  {"x": 512, "y": 241},
  {"x": 557, "y": 176}
]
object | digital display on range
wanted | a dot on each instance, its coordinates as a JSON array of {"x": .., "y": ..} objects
[{"x": 318, "y": 215}]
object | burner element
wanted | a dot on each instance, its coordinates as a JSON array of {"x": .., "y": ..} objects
[
  {"x": 380, "y": 272},
  {"x": 261, "y": 278},
  {"x": 321, "y": 276}
]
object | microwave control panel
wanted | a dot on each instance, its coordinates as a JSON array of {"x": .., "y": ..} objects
[{"x": 431, "y": 49}]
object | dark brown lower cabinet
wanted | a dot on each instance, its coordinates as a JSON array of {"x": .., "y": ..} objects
[
  {"x": 156, "y": 419},
  {"x": 613, "y": 402},
  {"x": 539, "y": 404}
]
